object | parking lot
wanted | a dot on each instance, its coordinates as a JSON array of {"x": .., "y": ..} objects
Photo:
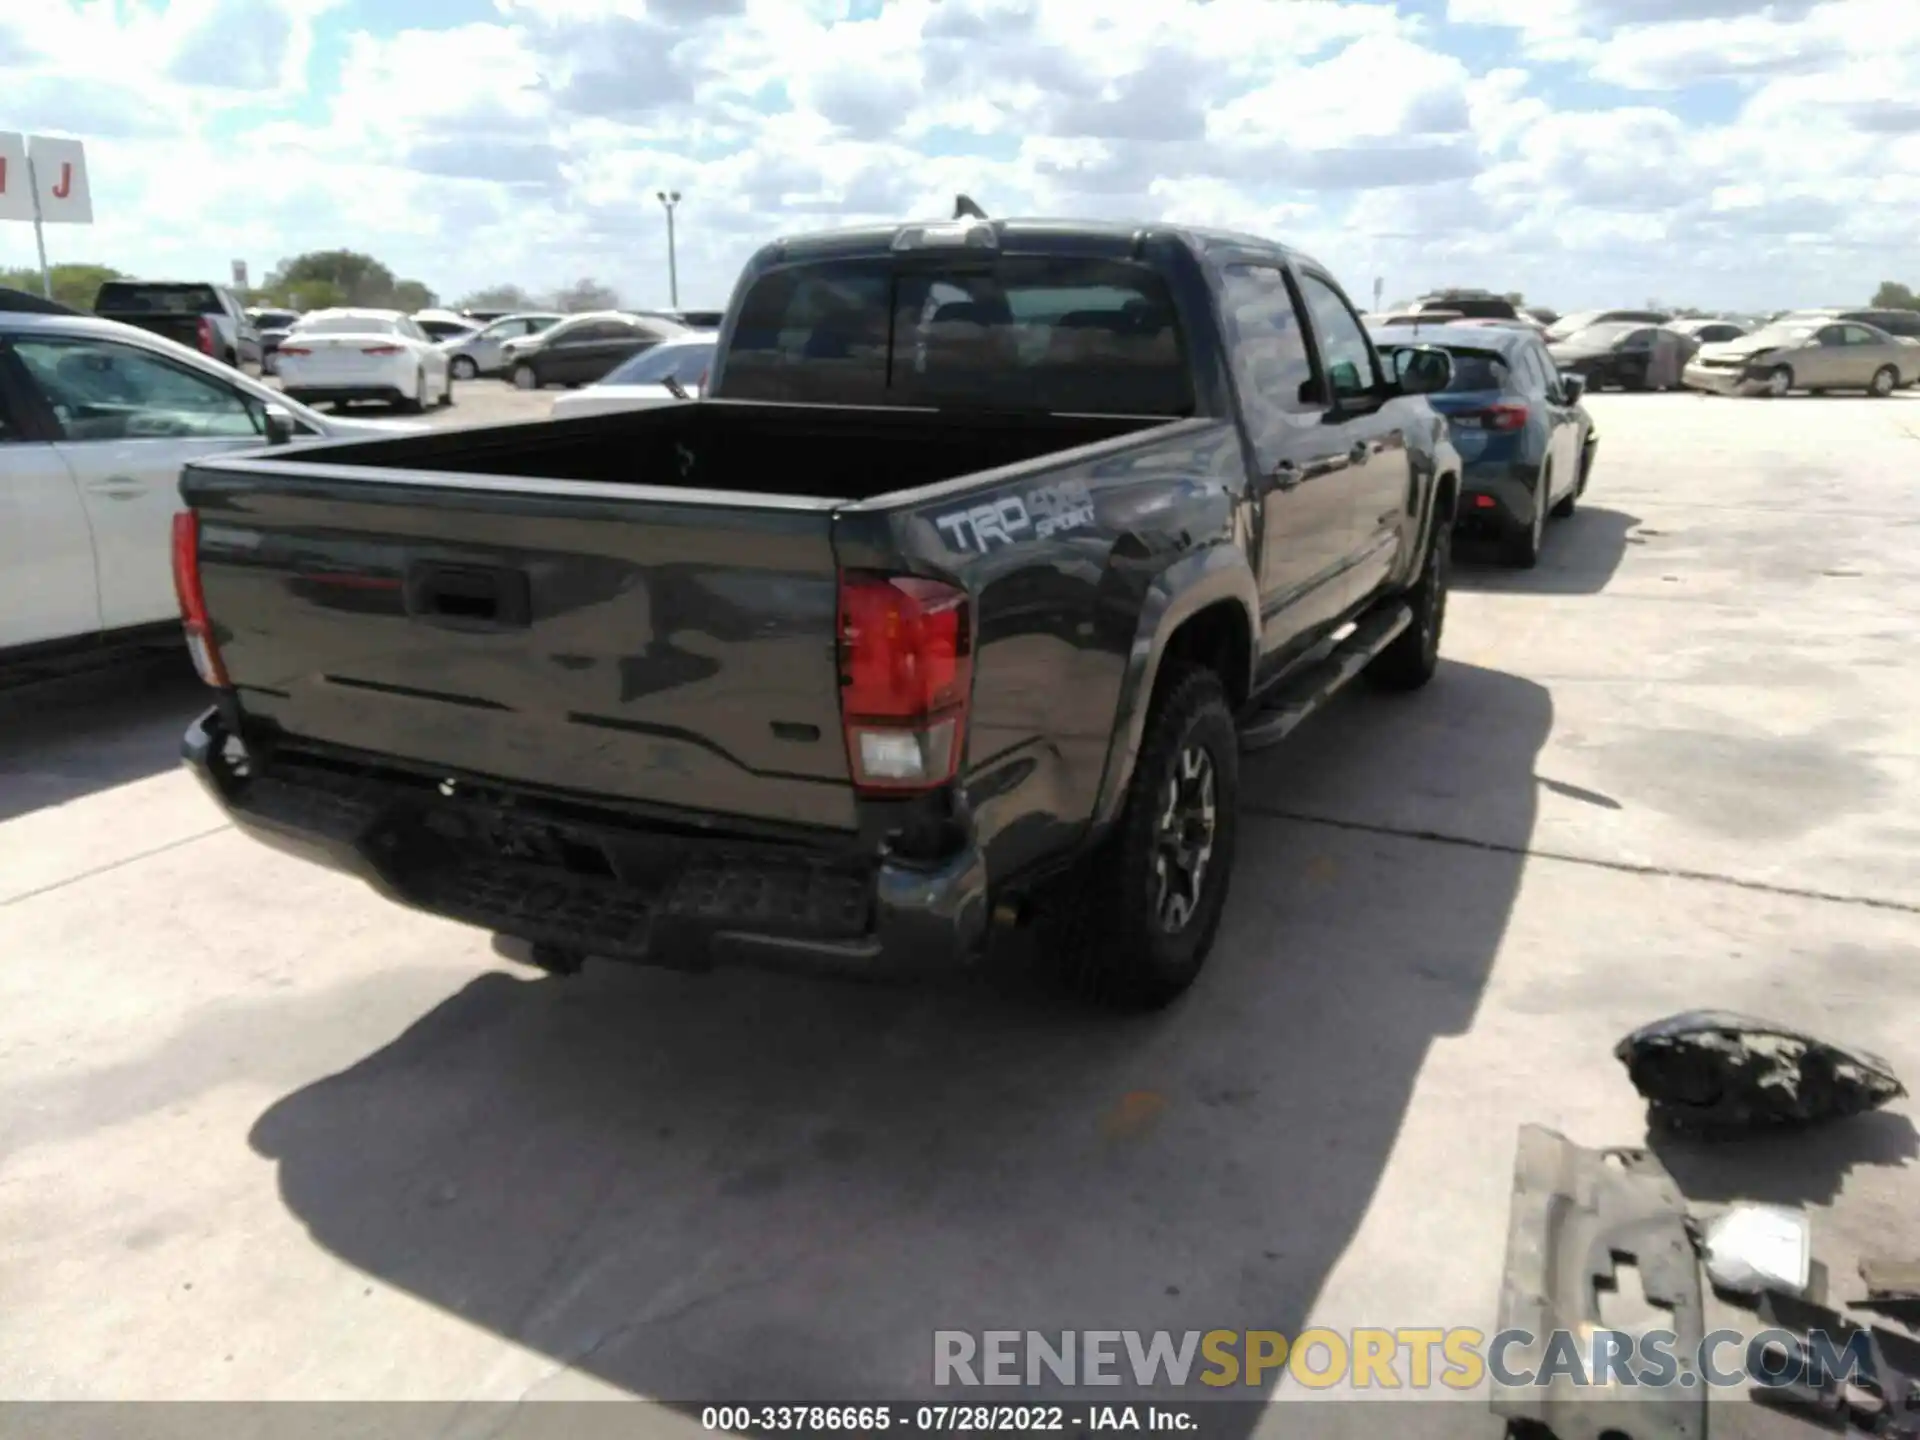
[
  {"x": 270, "y": 1137},
  {"x": 475, "y": 402}
]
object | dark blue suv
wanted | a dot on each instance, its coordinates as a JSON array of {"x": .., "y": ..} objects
[{"x": 1526, "y": 443}]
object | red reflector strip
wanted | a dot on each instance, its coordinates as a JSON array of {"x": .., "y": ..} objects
[
  {"x": 193, "y": 601},
  {"x": 379, "y": 349}
]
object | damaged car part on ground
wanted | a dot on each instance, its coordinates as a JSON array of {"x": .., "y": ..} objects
[
  {"x": 1583, "y": 1225},
  {"x": 1879, "y": 1396},
  {"x": 1712, "y": 1072},
  {"x": 1893, "y": 1289}
]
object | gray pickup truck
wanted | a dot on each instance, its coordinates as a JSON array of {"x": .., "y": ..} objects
[
  {"x": 203, "y": 317},
  {"x": 951, "y": 607}
]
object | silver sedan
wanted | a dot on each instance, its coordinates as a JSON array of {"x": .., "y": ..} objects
[
  {"x": 1810, "y": 355},
  {"x": 484, "y": 353}
]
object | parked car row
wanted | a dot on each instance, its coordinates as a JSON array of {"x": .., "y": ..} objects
[{"x": 97, "y": 417}]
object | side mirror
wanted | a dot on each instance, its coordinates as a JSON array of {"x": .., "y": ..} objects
[
  {"x": 1573, "y": 387},
  {"x": 278, "y": 423},
  {"x": 1422, "y": 369}
]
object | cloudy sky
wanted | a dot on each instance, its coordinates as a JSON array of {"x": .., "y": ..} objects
[{"x": 1724, "y": 153}]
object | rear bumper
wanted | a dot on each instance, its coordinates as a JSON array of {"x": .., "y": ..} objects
[
  {"x": 599, "y": 882},
  {"x": 306, "y": 392},
  {"x": 1496, "y": 497}
]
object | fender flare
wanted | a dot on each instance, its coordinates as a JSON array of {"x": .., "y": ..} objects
[{"x": 1180, "y": 591}]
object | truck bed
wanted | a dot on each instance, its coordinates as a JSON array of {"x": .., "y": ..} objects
[
  {"x": 480, "y": 602},
  {"x": 830, "y": 452}
]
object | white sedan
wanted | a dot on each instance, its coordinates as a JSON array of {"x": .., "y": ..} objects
[
  {"x": 96, "y": 419},
  {"x": 641, "y": 382},
  {"x": 344, "y": 355}
]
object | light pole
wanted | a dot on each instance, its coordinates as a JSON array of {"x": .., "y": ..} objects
[{"x": 669, "y": 199}]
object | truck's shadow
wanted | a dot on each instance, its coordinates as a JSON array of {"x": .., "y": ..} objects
[
  {"x": 62, "y": 739},
  {"x": 738, "y": 1186},
  {"x": 1578, "y": 557}
]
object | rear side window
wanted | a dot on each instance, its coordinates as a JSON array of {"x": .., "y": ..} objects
[
  {"x": 136, "y": 299},
  {"x": 1472, "y": 308},
  {"x": 1026, "y": 333},
  {"x": 348, "y": 325},
  {"x": 1477, "y": 370}
]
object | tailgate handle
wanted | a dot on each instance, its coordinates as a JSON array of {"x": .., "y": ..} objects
[{"x": 468, "y": 597}]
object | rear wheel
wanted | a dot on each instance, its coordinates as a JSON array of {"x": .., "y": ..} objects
[
  {"x": 1136, "y": 919},
  {"x": 1563, "y": 507},
  {"x": 1409, "y": 662},
  {"x": 413, "y": 404},
  {"x": 446, "y": 394},
  {"x": 1522, "y": 547},
  {"x": 1885, "y": 381}
]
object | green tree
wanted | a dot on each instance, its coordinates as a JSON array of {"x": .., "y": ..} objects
[
  {"x": 585, "y": 294},
  {"x": 307, "y": 295},
  {"x": 342, "y": 277},
  {"x": 499, "y": 297},
  {"x": 411, "y": 295},
  {"x": 73, "y": 285},
  {"x": 1894, "y": 296}
]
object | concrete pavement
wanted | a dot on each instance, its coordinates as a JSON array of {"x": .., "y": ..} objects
[{"x": 268, "y": 1137}]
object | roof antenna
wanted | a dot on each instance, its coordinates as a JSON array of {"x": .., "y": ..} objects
[{"x": 964, "y": 208}]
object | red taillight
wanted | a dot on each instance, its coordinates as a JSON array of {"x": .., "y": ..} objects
[
  {"x": 906, "y": 677},
  {"x": 293, "y": 350},
  {"x": 1503, "y": 417},
  {"x": 204, "y": 337},
  {"x": 379, "y": 349},
  {"x": 193, "y": 602}
]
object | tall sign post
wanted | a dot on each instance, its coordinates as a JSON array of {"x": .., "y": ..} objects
[{"x": 43, "y": 178}]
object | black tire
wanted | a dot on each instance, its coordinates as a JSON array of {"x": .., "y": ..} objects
[
  {"x": 1779, "y": 381},
  {"x": 1587, "y": 452},
  {"x": 525, "y": 377},
  {"x": 463, "y": 368},
  {"x": 1521, "y": 548},
  {"x": 1885, "y": 381},
  {"x": 418, "y": 403},
  {"x": 1107, "y": 923},
  {"x": 1410, "y": 661},
  {"x": 1564, "y": 506},
  {"x": 446, "y": 400}
]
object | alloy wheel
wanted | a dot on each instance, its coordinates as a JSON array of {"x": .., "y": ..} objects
[{"x": 1183, "y": 839}]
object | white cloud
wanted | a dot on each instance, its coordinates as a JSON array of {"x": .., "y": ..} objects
[{"x": 527, "y": 143}]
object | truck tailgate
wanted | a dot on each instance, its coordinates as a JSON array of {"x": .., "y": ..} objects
[{"x": 676, "y": 650}]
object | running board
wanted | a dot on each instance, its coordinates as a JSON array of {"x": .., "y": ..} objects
[{"x": 1281, "y": 710}]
